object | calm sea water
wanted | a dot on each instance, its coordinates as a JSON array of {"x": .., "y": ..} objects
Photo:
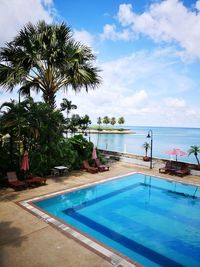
[{"x": 164, "y": 139}]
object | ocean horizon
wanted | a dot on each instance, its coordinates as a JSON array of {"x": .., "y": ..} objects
[{"x": 164, "y": 139}]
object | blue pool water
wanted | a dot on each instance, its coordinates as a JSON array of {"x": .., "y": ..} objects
[{"x": 152, "y": 221}]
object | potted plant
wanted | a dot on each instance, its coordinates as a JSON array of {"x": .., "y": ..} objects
[
  {"x": 146, "y": 147},
  {"x": 195, "y": 150}
]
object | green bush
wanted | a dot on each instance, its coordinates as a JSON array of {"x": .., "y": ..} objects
[
  {"x": 62, "y": 153},
  {"x": 9, "y": 160},
  {"x": 83, "y": 149},
  {"x": 41, "y": 133}
]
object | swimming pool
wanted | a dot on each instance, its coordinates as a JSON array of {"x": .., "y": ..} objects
[{"x": 152, "y": 221}]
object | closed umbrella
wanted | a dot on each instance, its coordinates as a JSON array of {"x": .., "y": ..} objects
[
  {"x": 25, "y": 163},
  {"x": 94, "y": 153}
]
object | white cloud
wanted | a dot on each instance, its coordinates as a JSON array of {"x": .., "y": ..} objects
[
  {"x": 84, "y": 37},
  {"x": 168, "y": 21},
  {"x": 125, "y": 14},
  {"x": 175, "y": 103},
  {"x": 197, "y": 5},
  {"x": 138, "y": 87},
  {"x": 109, "y": 32},
  {"x": 15, "y": 14}
]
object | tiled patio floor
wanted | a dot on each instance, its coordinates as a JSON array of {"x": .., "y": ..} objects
[{"x": 27, "y": 241}]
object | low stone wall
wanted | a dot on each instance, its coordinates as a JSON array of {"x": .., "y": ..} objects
[{"x": 137, "y": 159}]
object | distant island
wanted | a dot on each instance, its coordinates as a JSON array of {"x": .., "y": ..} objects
[{"x": 108, "y": 130}]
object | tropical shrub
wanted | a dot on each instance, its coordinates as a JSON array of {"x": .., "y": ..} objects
[
  {"x": 8, "y": 160},
  {"x": 83, "y": 149},
  {"x": 62, "y": 154},
  {"x": 36, "y": 127},
  {"x": 146, "y": 147}
]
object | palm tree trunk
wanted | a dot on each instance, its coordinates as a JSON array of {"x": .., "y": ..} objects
[
  {"x": 11, "y": 151},
  {"x": 197, "y": 159},
  {"x": 49, "y": 98}
]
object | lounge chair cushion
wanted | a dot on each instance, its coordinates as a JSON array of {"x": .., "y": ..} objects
[{"x": 89, "y": 168}]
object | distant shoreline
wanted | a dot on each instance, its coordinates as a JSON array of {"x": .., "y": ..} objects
[{"x": 124, "y": 131}]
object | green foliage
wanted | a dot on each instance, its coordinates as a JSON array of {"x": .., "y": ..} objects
[
  {"x": 62, "y": 154},
  {"x": 113, "y": 120},
  {"x": 67, "y": 105},
  {"x": 44, "y": 141},
  {"x": 121, "y": 120},
  {"x": 83, "y": 149},
  {"x": 45, "y": 58},
  {"x": 195, "y": 150},
  {"x": 106, "y": 120},
  {"x": 6, "y": 163},
  {"x": 146, "y": 147},
  {"x": 40, "y": 131},
  {"x": 99, "y": 122},
  {"x": 76, "y": 122},
  {"x": 84, "y": 123},
  {"x": 107, "y": 128},
  {"x": 72, "y": 124}
]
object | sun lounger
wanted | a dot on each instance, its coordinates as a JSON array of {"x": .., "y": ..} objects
[
  {"x": 14, "y": 181},
  {"x": 37, "y": 180},
  {"x": 182, "y": 171},
  {"x": 168, "y": 168},
  {"x": 89, "y": 168},
  {"x": 100, "y": 166}
]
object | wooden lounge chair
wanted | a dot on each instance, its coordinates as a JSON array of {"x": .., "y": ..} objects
[
  {"x": 168, "y": 168},
  {"x": 14, "y": 181},
  {"x": 37, "y": 180},
  {"x": 101, "y": 167},
  {"x": 89, "y": 168},
  {"x": 182, "y": 171}
]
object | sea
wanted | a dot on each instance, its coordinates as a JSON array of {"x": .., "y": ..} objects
[{"x": 164, "y": 139}]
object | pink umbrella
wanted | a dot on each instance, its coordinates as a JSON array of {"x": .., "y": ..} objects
[
  {"x": 25, "y": 162},
  {"x": 94, "y": 153},
  {"x": 176, "y": 152}
]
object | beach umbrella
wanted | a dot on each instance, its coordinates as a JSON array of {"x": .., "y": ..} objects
[
  {"x": 176, "y": 152},
  {"x": 25, "y": 163},
  {"x": 94, "y": 153}
]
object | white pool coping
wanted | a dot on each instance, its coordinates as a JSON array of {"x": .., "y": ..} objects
[{"x": 114, "y": 258}]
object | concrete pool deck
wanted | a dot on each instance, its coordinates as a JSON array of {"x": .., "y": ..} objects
[{"x": 26, "y": 240}]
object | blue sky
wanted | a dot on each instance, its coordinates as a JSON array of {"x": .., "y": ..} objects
[{"x": 148, "y": 51}]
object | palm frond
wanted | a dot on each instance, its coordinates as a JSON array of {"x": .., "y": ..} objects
[{"x": 45, "y": 57}]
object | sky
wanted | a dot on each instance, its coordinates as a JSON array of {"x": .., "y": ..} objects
[{"x": 148, "y": 53}]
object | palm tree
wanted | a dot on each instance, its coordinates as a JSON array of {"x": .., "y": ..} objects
[
  {"x": 99, "y": 122},
  {"x": 46, "y": 58},
  {"x": 121, "y": 120},
  {"x": 106, "y": 120},
  {"x": 194, "y": 150},
  {"x": 84, "y": 123},
  {"x": 67, "y": 105},
  {"x": 146, "y": 147},
  {"x": 113, "y": 120}
]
